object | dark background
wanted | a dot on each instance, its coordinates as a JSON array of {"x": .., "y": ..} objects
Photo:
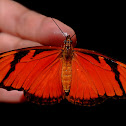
[{"x": 99, "y": 27}]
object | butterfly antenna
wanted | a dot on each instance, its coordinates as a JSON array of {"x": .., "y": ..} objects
[
  {"x": 59, "y": 27},
  {"x": 72, "y": 35}
]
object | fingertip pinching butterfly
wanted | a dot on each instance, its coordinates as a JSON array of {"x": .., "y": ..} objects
[{"x": 49, "y": 74}]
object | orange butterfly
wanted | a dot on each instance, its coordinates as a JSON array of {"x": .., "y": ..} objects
[{"x": 50, "y": 74}]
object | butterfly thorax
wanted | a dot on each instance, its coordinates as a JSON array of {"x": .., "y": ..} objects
[{"x": 67, "y": 64}]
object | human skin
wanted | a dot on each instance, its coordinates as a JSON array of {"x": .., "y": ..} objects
[{"x": 20, "y": 28}]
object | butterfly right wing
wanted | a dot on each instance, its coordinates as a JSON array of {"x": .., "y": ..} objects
[
  {"x": 35, "y": 70},
  {"x": 96, "y": 77}
]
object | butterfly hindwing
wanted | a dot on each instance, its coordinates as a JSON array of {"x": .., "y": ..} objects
[
  {"x": 36, "y": 70},
  {"x": 95, "y": 77}
]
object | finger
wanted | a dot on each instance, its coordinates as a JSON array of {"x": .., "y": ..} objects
[
  {"x": 24, "y": 23},
  {"x": 9, "y": 42},
  {"x": 11, "y": 96}
]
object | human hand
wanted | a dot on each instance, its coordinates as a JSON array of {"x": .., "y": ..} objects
[{"x": 21, "y": 27}]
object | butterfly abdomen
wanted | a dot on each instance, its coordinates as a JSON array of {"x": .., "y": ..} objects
[{"x": 66, "y": 75}]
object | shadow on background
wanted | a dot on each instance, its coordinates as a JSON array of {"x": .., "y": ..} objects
[{"x": 110, "y": 106}]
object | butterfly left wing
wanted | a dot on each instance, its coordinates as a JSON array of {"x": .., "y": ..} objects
[
  {"x": 35, "y": 70},
  {"x": 96, "y": 77}
]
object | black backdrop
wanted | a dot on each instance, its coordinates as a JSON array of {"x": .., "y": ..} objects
[{"x": 99, "y": 27}]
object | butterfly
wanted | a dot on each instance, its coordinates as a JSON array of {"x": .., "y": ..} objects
[{"x": 49, "y": 74}]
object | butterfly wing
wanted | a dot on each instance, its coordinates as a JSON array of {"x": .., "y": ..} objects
[
  {"x": 95, "y": 77},
  {"x": 35, "y": 70}
]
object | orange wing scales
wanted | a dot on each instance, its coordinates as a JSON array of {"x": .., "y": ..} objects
[
  {"x": 115, "y": 69},
  {"x": 49, "y": 87},
  {"x": 11, "y": 63},
  {"x": 95, "y": 76},
  {"x": 37, "y": 71}
]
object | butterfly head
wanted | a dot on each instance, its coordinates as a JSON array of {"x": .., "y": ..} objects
[{"x": 68, "y": 42}]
